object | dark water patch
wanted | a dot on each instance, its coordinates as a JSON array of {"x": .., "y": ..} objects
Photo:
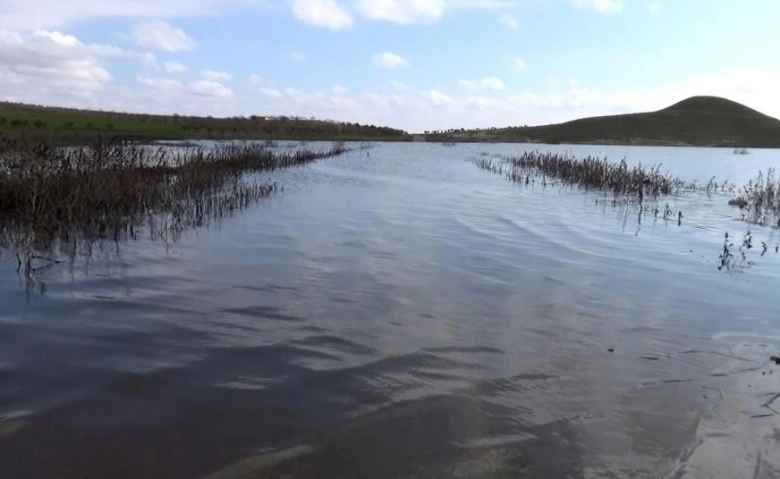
[
  {"x": 337, "y": 343},
  {"x": 465, "y": 350},
  {"x": 261, "y": 312},
  {"x": 344, "y": 301},
  {"x": 271, "y": 288}
]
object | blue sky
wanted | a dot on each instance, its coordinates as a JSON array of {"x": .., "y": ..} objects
[{"x": 413, "y": 64}]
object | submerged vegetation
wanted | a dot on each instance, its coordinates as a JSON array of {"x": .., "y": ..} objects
[
  {"x": 643, "y": 186},
  {"x": 57, "y": 198},
  {"x": 626, "y": 184},
  {"x": 760, "y": 199},
  {"x": 589, "y": 172}
]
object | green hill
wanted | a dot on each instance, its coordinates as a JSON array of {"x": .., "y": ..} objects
[
  {"x": 700, "y": 121},
  {"x": 66, "y": 125}
]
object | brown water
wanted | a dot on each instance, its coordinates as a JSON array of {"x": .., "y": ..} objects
[{"x": 406, "y": 315}]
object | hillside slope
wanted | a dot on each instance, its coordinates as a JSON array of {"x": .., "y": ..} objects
[
  {"x": 71, "y": 125},
  {"x": 701, "y": 121}
]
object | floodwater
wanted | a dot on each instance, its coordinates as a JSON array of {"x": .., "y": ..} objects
[{"x": 399, "y": 313}]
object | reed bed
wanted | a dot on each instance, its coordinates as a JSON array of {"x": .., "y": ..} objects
[
  {"x": 110, "y": 189},
  {"x": 589, "y": 172},
  {"x": 759, "y": 200}
]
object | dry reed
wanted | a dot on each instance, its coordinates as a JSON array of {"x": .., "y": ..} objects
[{"x": 111, "y": 188}]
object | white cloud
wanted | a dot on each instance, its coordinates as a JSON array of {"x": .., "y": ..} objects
[
  {"x": 390, "y": 61},
  {"x": 202, "y": 89},
  {"x": 34, "y": 14},
  {"x": 272, "y": 92},
  {"x": 439, "y": 99},
  {"x": 173, "y": 67},
  {"x": 52, "y": 61},
  {"x": 322, "y": 13},
  {"x": 601, "y": 6},
  {"x": 340, "y": 14},
  {"x": 340, "y": 90},
  {"x": 215, "y": 76},
  {"x": 380, "y": 100},
  {"x": 160, "y": 35},
  {"x": 483, "y": 103},
  {"x": 59, "y": 38},
  {"x": 147, "y": 59},
  {"x": 210, "y": 89},
  {"x": 167, "y": 95},
  {"x": 403, "y": 12},
  {"x": 489, "y": 83},
  {"x": 297, "y": 56},
  {"x": 162, "y": 84},
  {"x": 519, "y": 64},
  {"x": 509, "y": 21},
  {"x": 482, "y": 4},
  {"x": 255, "y": 79},
  {"x": 400, "y": 86},
  {"x": 318, "y": 104}
]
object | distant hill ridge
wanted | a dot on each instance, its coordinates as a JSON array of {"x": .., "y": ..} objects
[{"x": 696, "y": 121}]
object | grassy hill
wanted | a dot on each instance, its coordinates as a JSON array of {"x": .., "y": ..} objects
[
  {"x": 65, "y": 125},
  {"x": 700, "y": 121}
]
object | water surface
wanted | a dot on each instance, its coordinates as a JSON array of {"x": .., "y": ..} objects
[{"x": 399, "y": 313}]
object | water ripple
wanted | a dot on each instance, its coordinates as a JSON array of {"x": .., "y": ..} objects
[{"x": 404, "y": 315}]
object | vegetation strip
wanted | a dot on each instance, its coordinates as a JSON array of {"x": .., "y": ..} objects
[
  {"x": 51, "y": 196},
  {"x": 77, "y": 127},
  {"x": 588, "y": 172},
  {"x": 760, "y": 199}
]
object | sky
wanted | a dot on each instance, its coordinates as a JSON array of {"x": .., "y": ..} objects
[{"x": 412, "y": 64}]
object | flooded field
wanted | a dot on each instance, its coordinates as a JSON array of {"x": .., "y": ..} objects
[{"x": 398, "y": 312}]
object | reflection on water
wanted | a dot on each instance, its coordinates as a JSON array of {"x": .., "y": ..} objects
[{"x": 405, "y": 314}]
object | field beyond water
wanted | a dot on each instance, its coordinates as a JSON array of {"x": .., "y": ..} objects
[
  {"x": 389, "y": 310},
  {"x": 79, "y": 127}
]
